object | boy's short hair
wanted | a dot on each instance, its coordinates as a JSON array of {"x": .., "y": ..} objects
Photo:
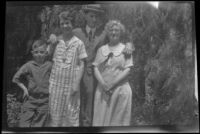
[{"x": 39, "y": 43}]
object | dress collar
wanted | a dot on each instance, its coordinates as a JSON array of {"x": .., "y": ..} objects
[
  {"x": 116, "y": 52},
  {"x": 71, "y": 41}
]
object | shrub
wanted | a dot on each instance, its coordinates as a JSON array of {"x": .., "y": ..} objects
[{"x": 13, "y": 110}]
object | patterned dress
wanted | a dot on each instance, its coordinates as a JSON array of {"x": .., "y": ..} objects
[
  {"x": 115, "y": 109},
  {"x": 64, "y": 109}
]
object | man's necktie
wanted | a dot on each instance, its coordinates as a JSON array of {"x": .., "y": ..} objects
[{"x": 90, "y": 35}]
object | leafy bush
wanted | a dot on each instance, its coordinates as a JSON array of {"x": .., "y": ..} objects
[{"x": 13, "y": 110}]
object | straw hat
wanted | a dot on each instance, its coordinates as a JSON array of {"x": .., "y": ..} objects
[{"x": 93, "y": 7}]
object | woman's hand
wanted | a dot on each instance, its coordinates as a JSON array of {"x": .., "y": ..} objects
[
  {"x": 75, "y": 95},
  {"x": 52, "y": 39},
  {"x": 75, "y": 89},
  {"x": 107, "y": 86},
  {"x": 110, "y": 88},
  {"x": 128, "y": 48},
  {"x": 104, "y": 85}
]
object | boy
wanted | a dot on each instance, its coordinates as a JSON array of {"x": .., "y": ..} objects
[{"x": 37, "y": 72}]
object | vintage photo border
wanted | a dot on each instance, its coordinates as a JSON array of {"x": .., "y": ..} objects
[{"x": 5, "y": 128}]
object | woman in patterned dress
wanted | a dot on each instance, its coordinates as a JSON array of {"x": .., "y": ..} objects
[
  {"x": 65, "y": 76},
  {"x": 112, "y": 105}
]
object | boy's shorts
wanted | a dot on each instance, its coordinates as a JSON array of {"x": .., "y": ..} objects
[{"x": 34, "y": 113}]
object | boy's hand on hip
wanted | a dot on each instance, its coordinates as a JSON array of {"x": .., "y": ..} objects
[{"x": 26, "y": 94}]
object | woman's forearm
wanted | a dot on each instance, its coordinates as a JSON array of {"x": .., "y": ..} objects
[
  {"x": 121, "y": 76},
  {"x": 77, "y": 77},
  {"x": 98, "y": 75},
  {"x": 81, "y": 70}
]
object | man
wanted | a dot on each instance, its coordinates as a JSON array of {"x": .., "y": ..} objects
[{"x": 93, "y": 37}]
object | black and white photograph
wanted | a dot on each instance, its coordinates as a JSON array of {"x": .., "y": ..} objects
[{"x": 110, "y": 66}]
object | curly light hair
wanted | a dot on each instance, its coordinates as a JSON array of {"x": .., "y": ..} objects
[{"x": 112, "y": 23}]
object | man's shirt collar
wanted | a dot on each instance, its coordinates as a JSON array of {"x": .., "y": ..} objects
[{"x": 88, "y": 29}]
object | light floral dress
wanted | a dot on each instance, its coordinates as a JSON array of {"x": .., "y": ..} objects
[
  {"x": 114, "y": 110},
  {"x": 64, "y": 110}
]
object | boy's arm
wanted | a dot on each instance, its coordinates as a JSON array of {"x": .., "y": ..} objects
[
  {"x": 23, "y": 87},
  {"x": 16, "y": 79}
]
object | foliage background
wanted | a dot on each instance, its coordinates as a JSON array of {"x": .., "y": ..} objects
[{"x": 162, "y": 79}]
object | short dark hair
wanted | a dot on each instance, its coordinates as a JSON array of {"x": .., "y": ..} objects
[
  {"x": 39, "y": 43},
  {"x": 66, "y": 15}
]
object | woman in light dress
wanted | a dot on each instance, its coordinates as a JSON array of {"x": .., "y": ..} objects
[{"x": 113, "y": 97}]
